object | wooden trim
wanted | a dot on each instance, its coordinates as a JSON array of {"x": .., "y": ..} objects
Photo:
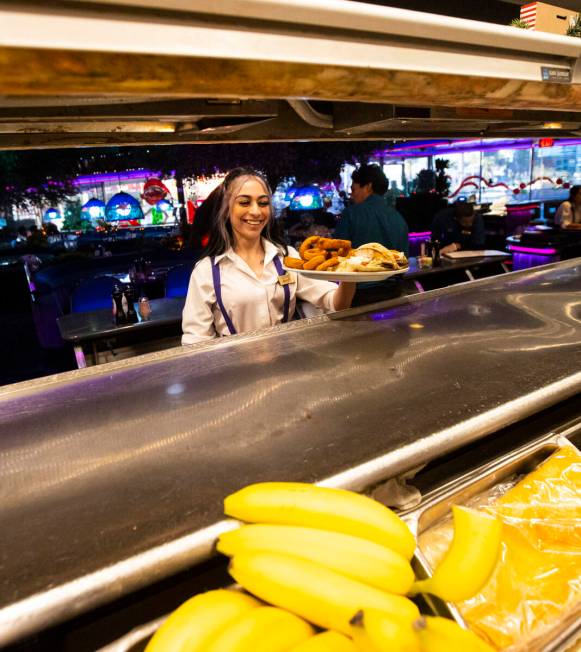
[{"x": 28, "y": 71}]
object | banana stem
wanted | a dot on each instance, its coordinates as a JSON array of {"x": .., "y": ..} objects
[{"x": 420, "y": 586}]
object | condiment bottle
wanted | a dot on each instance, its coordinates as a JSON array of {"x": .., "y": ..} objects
[
  {"x": 144, "y": 308},
  {"x": 129, "y": 297},
  {"x": 117, "y": 300}
]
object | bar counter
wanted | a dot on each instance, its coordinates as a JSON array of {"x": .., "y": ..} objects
[{"x": 110, "y": 474}]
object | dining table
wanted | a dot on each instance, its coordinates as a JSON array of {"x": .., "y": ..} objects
[
  {"x": 89, "y": 331},
  {"x": 467, "y": 267}
]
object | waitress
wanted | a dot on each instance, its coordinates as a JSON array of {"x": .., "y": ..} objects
[
  {"x": 568, "y": 214},
  {"x": 239, "y": 284}
]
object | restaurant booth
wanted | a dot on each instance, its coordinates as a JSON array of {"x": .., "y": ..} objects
[{"x": 113, "y": 477}]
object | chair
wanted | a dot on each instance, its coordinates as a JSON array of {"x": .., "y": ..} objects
[
  {"x": 519, "y": 216},
  {"x": 93, "y": 293},
  {"x": 177, "y": 281}
]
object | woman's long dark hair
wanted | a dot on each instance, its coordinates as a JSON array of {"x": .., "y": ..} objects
[{"x": 221, "y": 235}]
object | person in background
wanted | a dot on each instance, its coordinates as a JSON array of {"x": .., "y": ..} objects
[
  {"x": 239, "y": 284},
  {"x": 324, "y": 216},
  {"x": 37, "y": 238},
  {"x": 568, "y": 215},
  {"x": 306, "y": 225},
  {"x": 371, "y": 219},
  {"x": 52, "y": 233},
  {"x": 21, "y": 239},
  {"x": 392, "y": 194},
  {"x": 458, "y": 227}
]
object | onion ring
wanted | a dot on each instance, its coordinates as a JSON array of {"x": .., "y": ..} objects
[
  {"x": 314, "y": 262},
  {"x": 343, "y": 244},
  {"x": 295, "y": 263},
  {"x": 309, "y": 242},
  {"x": 328, "y": 243},
  {"x": 326, "y": 266},
  {"x": 311, "y": 253}
]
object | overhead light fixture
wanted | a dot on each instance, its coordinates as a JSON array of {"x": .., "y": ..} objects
[{"x": 552, "y": 125}]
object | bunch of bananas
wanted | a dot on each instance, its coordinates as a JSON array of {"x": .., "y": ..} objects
[{"x": 336, "y": 560}]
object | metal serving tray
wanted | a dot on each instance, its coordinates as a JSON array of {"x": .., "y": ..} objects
[{"x": 438, "y": 503}]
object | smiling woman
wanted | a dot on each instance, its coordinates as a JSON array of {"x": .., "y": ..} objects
[{"x": 239, "y": 283}]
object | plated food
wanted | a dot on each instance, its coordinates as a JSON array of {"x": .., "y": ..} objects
[{"x": 334, "y": 255}]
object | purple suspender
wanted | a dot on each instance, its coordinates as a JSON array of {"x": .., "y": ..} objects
[
  {"x": 280, "y": 271},
  {"x": 218, "y": 290}
]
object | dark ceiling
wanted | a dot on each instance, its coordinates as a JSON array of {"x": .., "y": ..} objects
[
  {"x": 575, "y": 5},
  {"x": 490, "y": 11}
]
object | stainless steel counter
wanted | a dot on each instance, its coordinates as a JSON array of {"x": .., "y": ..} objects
[{"x": 109, "y": 474}]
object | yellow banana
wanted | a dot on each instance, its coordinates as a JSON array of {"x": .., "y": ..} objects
[
  {"x": 321, "y": 596},
  {"x": 192, "y": 624},
  {"x": 470, "y": 560},
  {"x": 266, "y": 629},
  {"x": 295, "y": 503},
  {"x": 327, "y": 642},
  {"x": 443, "y": 635},
  {"x": 357, "y": 558},
  {"x": 375, "y": 631}
]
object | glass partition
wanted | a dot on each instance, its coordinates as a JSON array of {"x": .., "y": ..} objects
[
  {"x": 488, "y": 170},
  {"x": 553, "y": 166},
  {"x": 463, "y": 170},
  {"x": 503, "y": 171}
]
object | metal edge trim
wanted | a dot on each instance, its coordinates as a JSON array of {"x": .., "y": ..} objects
[
  {"x": 338, "y": 14},
  {"x": 63, "y": 602},
  {"x": 391, "y": 464}
]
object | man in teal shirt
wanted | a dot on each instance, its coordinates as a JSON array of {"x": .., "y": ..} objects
[{"x": 370, "y": 219}]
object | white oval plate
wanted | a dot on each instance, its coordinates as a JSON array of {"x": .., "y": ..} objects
[{"x": 353, "y": 277}]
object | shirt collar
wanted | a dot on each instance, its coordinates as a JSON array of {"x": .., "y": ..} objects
[{"x": 270, "y": 251}]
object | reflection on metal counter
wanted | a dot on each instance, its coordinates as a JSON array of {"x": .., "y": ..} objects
[{"x": 120, "y": 467}]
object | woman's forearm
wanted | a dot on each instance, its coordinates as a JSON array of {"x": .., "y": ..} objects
[{"x": 344, "y": 295}]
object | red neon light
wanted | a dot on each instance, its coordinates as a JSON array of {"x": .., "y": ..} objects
[
  {"x": 467, "y": 182},
  {"x": 546, "y": 142}
]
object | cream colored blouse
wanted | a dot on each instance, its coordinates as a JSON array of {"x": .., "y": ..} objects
[
  {"x": 568, "y": 214},
  {"x": 251, "y": 302}
]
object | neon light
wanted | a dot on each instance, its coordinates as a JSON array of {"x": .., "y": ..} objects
[
  {"x": 546, "y": 142},
  {"x": 429, "y": 148},
  {"x": 52, "y": 214},
  {"x": 545, "y": 251},
  {"x": 117, "y": 177},
  {"x": 164, "y": 206},
  {"x": 306, "y": 198},
  {"x": 419, "y": 234}
]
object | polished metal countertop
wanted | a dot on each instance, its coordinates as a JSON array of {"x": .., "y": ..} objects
[{"x": 109, "y": 475}]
